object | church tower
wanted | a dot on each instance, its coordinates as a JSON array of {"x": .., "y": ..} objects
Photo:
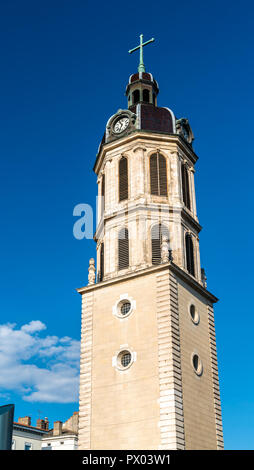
[{"x": 149, "y": 376}]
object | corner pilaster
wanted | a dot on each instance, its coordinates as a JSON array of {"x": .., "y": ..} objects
[
  {"x": 215, "y": 379},
  {"x": 85, "y": 391},
  {"x": 170, "y": 377}
]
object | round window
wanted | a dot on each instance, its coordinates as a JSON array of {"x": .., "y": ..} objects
[
  {"x": 194, "y": 314},
  {"x": 197, "y": 364},
  {"x": 125, "y": 307},
  {"x": 124, "y": 359}
]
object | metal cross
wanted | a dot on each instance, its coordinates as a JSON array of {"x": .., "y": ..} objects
[{"x": 141, "y": 67}]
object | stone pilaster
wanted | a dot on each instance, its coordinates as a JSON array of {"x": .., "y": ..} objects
[
  {"x": 215, "y": 378},
  {"x": 85, "y": 391},
  {"x": 170, "y": 380},
  {"x": 193, "y": 195}
]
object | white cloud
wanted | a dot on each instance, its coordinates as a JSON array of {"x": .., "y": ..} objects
[
  {"x": 41, "y": 369},
  {"x": 35, "y": 325}
]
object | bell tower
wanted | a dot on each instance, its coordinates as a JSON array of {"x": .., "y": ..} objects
[{"x": 148, "y": 375}]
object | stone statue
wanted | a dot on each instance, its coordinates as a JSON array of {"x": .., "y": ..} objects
[
  {"x": 164, "y": 249},
  {"x": 203, "y": 278},
  {"x": 91, "y": 271}
]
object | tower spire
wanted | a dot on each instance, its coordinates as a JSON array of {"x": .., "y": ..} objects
[{"x": 141, "y": 67}]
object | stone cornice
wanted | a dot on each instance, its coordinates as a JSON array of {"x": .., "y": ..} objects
[
  {"x": 149, "y": 135},
  {"x": 189, "y": 218},
  {"x": 131, "y": 208},
  {"x": 170, "y": 265}
]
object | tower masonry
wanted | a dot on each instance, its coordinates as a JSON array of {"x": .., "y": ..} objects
[{"x": 148, "y": 372}]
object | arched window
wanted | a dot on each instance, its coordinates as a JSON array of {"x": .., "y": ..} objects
[
  {"x": 102, "y": 194},
  {"x": 158, "y": 175},
  {"x": 135, "y": 97},
  {"x": 146, "y": 96},
  {"x": 157, "y": 232},
  {"x": 123, "y": 249},
  {"x": 189, "y": 254},
  {"x": 185, "y": 186},
  {"x": 123, "y": 179},
  {"x": 101, "y": 272}
]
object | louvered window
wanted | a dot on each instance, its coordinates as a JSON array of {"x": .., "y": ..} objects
[
  {"x": 189, "y": 254},
  {"x": 123, "y": 179},
  {"x": 123, "y": 249},
  {"x": 102, "y": 195},
  {"x": 157, "y": 232},
  {"x": 101, "y": 271},
  {"x": 185, "y": 186},
  {"x": 158, "y": 175}
]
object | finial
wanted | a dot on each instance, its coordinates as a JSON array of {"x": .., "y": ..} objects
[
  {"x": 91, "y": 272},
  {"x": 141, "y": 67}
]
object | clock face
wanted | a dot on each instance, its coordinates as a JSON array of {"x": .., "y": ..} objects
[{"x": 121, "y": 124}]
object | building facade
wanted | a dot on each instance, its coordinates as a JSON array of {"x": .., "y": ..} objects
[
  {"x": 149, "y": 376},
  {"x": 27, "y": 437},
  {"x": 63, "y": 436}
]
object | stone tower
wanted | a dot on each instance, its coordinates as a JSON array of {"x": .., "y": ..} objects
[{"x": 149, "y": 377}]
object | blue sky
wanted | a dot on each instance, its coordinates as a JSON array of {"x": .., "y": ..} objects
[{"x": 65, "y": 65}]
